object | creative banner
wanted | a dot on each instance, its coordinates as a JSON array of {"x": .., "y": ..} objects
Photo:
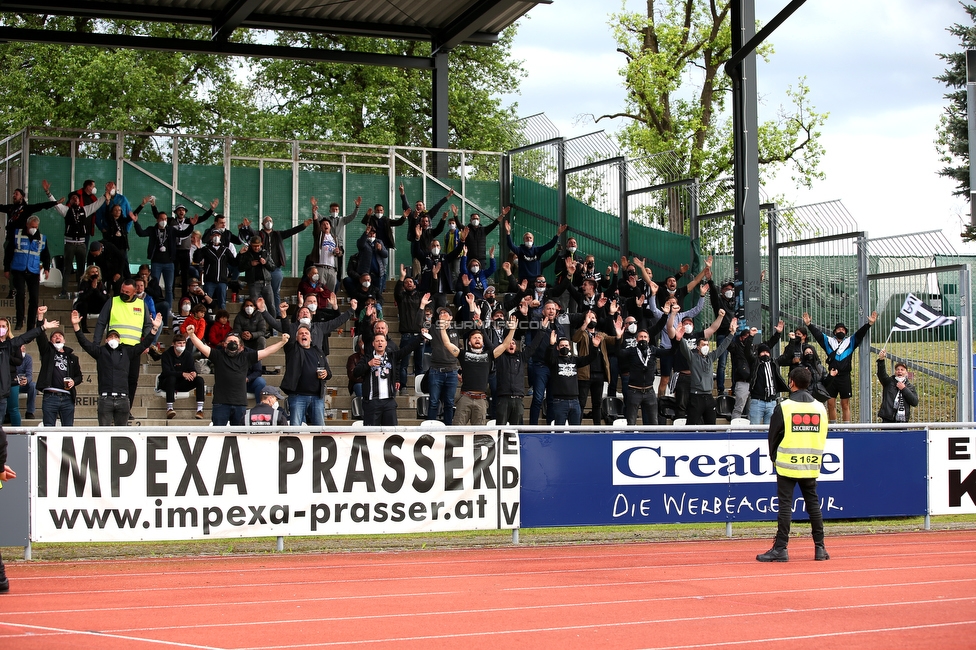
[
  {"x": 952, "y": 471},
  {"x": 177, "y": 486},
  {"x": 592, "y": 479}
]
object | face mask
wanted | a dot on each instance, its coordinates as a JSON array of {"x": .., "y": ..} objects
[
  {"x": 178, "y": 349},
  {"x": 435, "y": 251},
  {"x": 564, "y": 352},
  {"x": 215, "y": 241},
  {"x": 31, "y": 231},
  {"x": 453, "y": 227},
  {"x": 3, "y": 331},
  {"x": 161, "y": 224},
  {"x": 840, "y": 335},
  {"x": 312, "y": 307},
  {"x": 632, "y": 328},
  {"x": 528, "y": 243},
  {"x": 113, "y": 343},
  {"x": 475, "y": 222},
  {"x": 477, "y": 350},
  {"x": 764, "y": 357},
  {"x": 268, "y": 225},
  {"x": 371, "y": 239},
  {"x": 335, "y": 214},
  {"x": 670, "y": 292},
  {"x": 808, "y": 355},
  {"x": 688, "y": 329},
  {"x": 111, "y": 192},
  {"x": 315, "y": 277},
  {"x": 570, "y": 249},
  {"x": 58, "y": 346},
  {"x": 232, "y": 346},
  {"x": 643, "y": 345},
  {"x": 305, "y": 321},
  {"x": 249, "y": 310},
  {"x": 379, "y": 214},
  {"x": 366, "y": 285},
  {"x": 728, "y": 294},
  {"x": 704, "y": 350},
  {"x": 589, "y": 265},
  {"x": 126, "y": 298},
  {"x": 475, "y": 269},
  {"x": 185, "y": 309}
]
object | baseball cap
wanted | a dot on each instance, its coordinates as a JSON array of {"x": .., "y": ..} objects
[{"x": 272, "y": 390}]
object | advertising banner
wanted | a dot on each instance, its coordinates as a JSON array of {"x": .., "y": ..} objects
[
  {"x": 952, "y": 471},
  {"x": 629, "y": 478},
  {"x": 136, "y": 486}
]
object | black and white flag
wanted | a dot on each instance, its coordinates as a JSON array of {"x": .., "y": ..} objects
[{"x": 916, "y": 315}]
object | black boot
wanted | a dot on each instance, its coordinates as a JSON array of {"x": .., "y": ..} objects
[
  {"x": 820, "y": 553},
  {"x": 775, "y": 554},
  {"x": 4, "y": 583}
]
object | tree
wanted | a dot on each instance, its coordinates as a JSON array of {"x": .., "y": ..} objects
[
  {"x": 391, "y": 106},
  {"x": 99, "y": 89},
  {"x": 952, "y": 141},
  {"x": 676, "y": 99}
]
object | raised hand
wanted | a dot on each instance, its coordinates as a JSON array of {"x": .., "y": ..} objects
[
  {"x": 45, "y": 185},
  {"x": 873, "y": 317},
  {"x": 285, "y": 337},
  {"x": 353, "y": 303},
  {"x": 214, "y": 204},
  {"x": 283, "y": 307},
  {"x": 75, "y": 318},
  {"x": 779, "y": 326},
  {"x": 806, "y": 318},
  {"x": 260, "y": 304},
  {"x": 358, "y": 200},
  {"x": 314, "y": 202},
  {"x": 561, "y": 229}
]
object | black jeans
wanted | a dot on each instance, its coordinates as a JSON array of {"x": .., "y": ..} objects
[
  {"x": 785, "y": 487},
  {"x": 32, "y": 282}
]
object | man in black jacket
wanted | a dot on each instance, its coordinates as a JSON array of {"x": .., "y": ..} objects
[
  {"x": 76, "y": 220},
  {"x": 257, "y": 266},
  {"x": 408, "y": 298},
  {"x": 273, "y": 242},
  {"x": 112, "y": 363},
  {"x": 640, "y": 362},
  {"x": 161, "y": 249},
  {"x": 60, "y": 374},
  {"x": 179, "y": 374},
  {"x": 898, "y": 395},
  {"x": 510, "y": 372},
  {"x": 379, "y": 373}
]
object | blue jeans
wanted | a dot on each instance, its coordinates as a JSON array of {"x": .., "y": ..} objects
[
  {"x": 443, "y": 386},
  {"x": 566, "y": 411},
  {"x": 276, "y": 277},
  {"x": 538, "y": 379},
  {"x": 55, "y": 405},
  {"x": 224, "y": 414},
  {"x": 418, "y": 357},
  {"x": 256, "y": 386},
  {"x": 13, "y": 405},
  {"x": 306, "y": 409},
  {"x": 168, "y": 272},
  {"x": 760, "y": 412},
  {"x": 217, "y": 291}
]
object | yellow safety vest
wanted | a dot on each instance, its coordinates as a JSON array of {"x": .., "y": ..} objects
[
  {"x": 800, "y": 453},
  {"x": 127, "y": 319}
]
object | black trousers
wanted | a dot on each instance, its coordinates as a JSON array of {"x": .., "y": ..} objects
[
  {"x": 701, "y": 409},
  {"x": 646, "y": 401},
  {"x": 785, "y": 486},
  {"x": 380, "y": 412},
  {"x": 32, "y": 283},
  {"x": 682, "y": 393},
  {"x": 173, "y": 385},
  {"x": 594, "y": 388}
]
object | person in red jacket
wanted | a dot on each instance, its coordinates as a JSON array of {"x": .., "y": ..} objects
[
  {"x": 220, "y": 328},
  {"x": 198, "y": 319}
]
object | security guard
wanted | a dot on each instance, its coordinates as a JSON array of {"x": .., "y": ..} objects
[
  {"x": 797, "y": 434},
  {"x": 127, "y": 315}
]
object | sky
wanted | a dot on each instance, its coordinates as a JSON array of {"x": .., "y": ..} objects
[{"x": 869, "y": 63}]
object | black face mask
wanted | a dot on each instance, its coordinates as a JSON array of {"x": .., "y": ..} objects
[
  {"x": 564, "y": 352},
  {"x": 126, "y": 298},
  {"x": 643, "y": 345},
  {"x": 840, "y": 335},
  {"x": 232, "y": 346},
  {"x": 764, "y": 357}
]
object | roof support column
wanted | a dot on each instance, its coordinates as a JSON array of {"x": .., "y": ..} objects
[{"x": 439, "y": 122}]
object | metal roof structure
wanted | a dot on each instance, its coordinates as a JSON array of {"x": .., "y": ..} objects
[{"x": 444, "y": 23}]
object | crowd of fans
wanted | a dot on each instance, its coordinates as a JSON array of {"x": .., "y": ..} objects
[{"x": 483, "y": 335}]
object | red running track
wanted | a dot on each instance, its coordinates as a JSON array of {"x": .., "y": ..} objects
[{"x": 913, "y": 590}]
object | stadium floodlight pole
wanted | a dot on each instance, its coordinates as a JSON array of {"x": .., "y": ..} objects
[
  {"x": 971, "y": 119},
  {"x": 741, "y": 68}
]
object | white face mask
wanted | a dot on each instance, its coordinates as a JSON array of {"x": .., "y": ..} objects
[
  {"x": 161, "y": 223},
  {"x": 453, "y": 227},
  {"x": 178, "y": 349},
  {"x": 249, "y": 310},
  {"x": 570, "y": 249},
  {"x": 371, "y": 239},
  {"x": 215, "y": 241},
  {"x": 58, "y": 346},
  {"x": 113, "y": 343},
  {"x": 728, "y": 294},
  {"x": 704, "y": 350},
  {"x": 632, "y": 328},
  {"x": 688, "y": 328},
  {"x": 31, "y": 231},
  {"x": 366, "y": 285},
  {"x": 185, "y": 309},
  {"x": 475, "y": 269},
  {"x": 111, "y": 192},
  {"x": 312, "y": 307},
  {"x": 268, "y": 225},
  {"x": 475, "y": 222},
  {"x": 305, "y": 321},
  {"x": 436, "y": 250},
  {"x": 3, "y": 331}
]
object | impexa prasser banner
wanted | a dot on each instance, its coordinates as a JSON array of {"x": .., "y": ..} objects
[{"x": 134, "y": 486}]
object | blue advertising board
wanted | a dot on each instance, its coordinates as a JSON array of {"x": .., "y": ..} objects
[{"x": 669, "y": 477}]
